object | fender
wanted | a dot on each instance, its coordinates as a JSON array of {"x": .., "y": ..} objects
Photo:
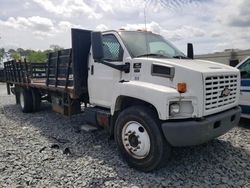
[{"x": 157, "y": 95}]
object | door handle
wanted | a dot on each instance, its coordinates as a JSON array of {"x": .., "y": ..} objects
[{"x": 92, "y": 70}]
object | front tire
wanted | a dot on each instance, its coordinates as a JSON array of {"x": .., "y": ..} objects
[{"x": 140, "y": 140}]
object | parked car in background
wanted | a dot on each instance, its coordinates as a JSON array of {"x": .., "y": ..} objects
[{"x": 244, "y": 68}]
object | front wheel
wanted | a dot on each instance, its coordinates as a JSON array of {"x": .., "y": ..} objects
[{"x": 140, "y": 140}]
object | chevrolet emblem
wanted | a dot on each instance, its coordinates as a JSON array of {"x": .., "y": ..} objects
[{"x": 225, "y": 92}]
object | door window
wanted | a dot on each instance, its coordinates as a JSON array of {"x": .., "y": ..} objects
[
  {"x": 245, "y": 69},
  {"x": 112, "y": 48}
]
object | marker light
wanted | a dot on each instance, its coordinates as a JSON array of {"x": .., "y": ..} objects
[{"x": 182, "y": 87}]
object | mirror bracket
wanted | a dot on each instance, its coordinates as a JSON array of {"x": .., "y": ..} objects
[{"x": 125, "y": 68}]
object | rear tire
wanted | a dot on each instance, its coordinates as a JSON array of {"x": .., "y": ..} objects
[
  {"x": 140, "y": 140},
  {"x": 36, "y": 97},
  {"x": 17, "y": 94},
  {"x": 26, "y": 101}
]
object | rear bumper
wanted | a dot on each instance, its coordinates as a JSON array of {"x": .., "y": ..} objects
[{"x": 192, "y": 132}]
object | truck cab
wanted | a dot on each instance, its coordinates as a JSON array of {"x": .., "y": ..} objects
[
  {"x": 140, "y": 73},
  {"x": 156, "y": 65},
  {"x": 244, "y": 68}
]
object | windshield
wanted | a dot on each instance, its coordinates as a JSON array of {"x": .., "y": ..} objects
[{"x": 148, "y": 44}]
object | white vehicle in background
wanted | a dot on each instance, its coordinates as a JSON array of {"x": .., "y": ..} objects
[
  {"x": 6, "y": 57},
  {"x": 244, "y": 68}
]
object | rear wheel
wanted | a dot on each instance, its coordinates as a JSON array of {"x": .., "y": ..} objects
[
  {"x": 26, "y": 101},
  {"x": 36, "y": 97},
  {"x": 140, "y": 140},
  {"x": 17, "y": 94}
]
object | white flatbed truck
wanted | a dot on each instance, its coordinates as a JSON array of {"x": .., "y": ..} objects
[{"x": 143, "y": 90}]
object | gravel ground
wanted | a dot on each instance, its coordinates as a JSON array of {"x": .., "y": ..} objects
[{"x": 46, "y": 149}]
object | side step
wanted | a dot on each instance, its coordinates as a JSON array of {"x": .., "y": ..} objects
[{"x": 97, "y": 116}]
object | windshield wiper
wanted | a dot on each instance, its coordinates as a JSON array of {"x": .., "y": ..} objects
[
  {"x": 180, "y": 57},
  {"x": 152, "y": 55}
]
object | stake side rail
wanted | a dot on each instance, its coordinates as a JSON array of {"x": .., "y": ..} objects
[{"x": 56, "y": 75}]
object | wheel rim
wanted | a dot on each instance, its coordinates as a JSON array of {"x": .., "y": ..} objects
[
  {"x": 21, "y": 100},
  {"x": 136, "y": 140}
]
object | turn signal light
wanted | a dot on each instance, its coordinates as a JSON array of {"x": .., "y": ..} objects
[{"x": 182, "y": 87}]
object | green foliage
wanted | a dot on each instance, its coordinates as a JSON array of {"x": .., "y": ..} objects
[
  {"x": 55, "y": 47},
  {"x": 11, "y": 51},
  {"x": 21, "y": 51},
  {"x": 16, "y": 56},
  {"x": 30, "y": 55},
  {"x": 37, "y": 56},
  {"x": 2, "y": 50}
]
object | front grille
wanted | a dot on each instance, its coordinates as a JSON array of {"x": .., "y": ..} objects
[{"x": 214, "y": 87}]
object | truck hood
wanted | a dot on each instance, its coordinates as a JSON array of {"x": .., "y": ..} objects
[
  {"x": 202, "y": 66},
  {"x": 197, "y": 74}
]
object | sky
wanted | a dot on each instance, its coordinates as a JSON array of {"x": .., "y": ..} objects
[{"x": 211, "y": 25}]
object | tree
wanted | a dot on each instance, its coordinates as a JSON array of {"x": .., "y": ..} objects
[
  {"x": 11, "y": 51},
  {"x": 27, "y": 52},
  {"x": 16, "y": 56},
  {"x": 21, "y": 51},
  {"x": 37, "y": 56},
  {"x": 55, "y": 47},
  {"x": 30, "y": 55},
  {"x": 2, "y": 51}
]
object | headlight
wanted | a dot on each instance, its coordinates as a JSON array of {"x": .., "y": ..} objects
[
  {"x": 174, "y": 109},
  {"x": 181, "y": 109}
]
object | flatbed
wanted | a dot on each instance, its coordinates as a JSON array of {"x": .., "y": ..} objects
[{"x": 64, "y": 76}]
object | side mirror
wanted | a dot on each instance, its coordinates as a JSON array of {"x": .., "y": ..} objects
[
  {"x": 190, "y": 51},
  {"x": 97, "y": 47}
]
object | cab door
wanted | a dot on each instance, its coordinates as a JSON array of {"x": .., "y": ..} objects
[
  {"x": 102, "y": 80},
  {"x": 245, "y": 87}
]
